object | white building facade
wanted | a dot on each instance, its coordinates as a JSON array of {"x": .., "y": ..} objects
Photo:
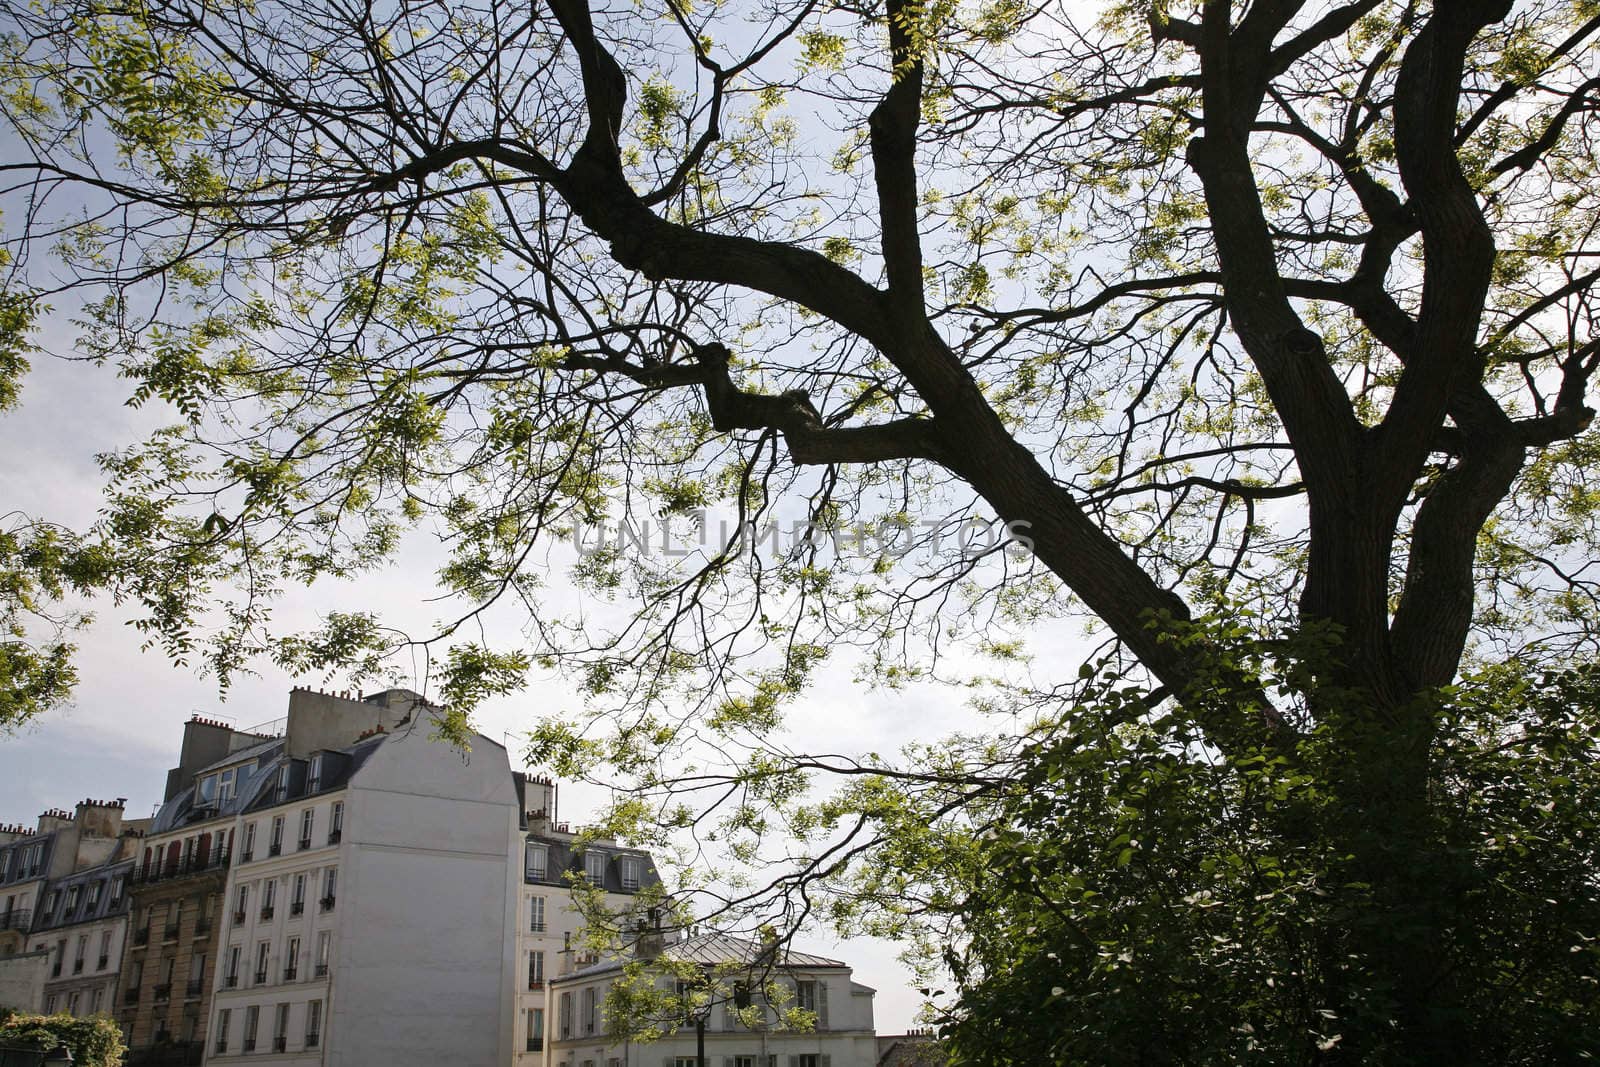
[
  {"x": 553, "y": 859},
  {"x": 738, "y": 972},
  {"x": 371, "y": 910}
]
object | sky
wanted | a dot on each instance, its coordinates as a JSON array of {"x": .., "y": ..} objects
[{"x": 122, "y": 731}]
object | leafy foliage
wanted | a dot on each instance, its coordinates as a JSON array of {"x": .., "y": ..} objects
[
  {"x": 1133, "y": 897},
  {"x": 95, "y": 1041}
]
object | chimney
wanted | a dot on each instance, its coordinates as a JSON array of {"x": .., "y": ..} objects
[
  {"x": 54, "y": 819},
  {"x": 100, "y": 818}
]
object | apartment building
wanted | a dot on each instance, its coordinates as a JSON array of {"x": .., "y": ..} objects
[
  {"x": 177, "y": 884},
  {"x": 64, "y": 842},
  {"x": 741, "y": 1021},
  {"x": 83, "y": 925},
  {"x": 373, "y": 902},
  {"x": 554, "y": 858}
]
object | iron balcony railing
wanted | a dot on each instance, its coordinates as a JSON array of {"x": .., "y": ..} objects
[
  {"x": 194, "y": 988},
  {"x": 162, "y": 992},
  {"x": 16, "y": 919},
  {"x": 141, "y": 937},
  {"x": 186, "y": 868}
]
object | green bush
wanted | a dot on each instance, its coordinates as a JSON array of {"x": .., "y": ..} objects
[{"x": 95, "y": 1041}]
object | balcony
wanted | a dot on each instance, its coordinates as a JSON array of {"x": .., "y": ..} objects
[
  {"x": 261, "y": 978},
  {"x": 266, "y": 913},
  {"x": 187, "y": 868},
  {"x": 245, "y": 857},
  {"x": 290, "y": 973},
  {"x": 536, "y": 983},
  {"x": 275, "y": 849},
  {"x": 141, "y": 937},
  {"x": 222, "y": 1046},
  {"x": 334, "y": 836},
  {"x": 238, "y": 917},
  {"x": 202, "y": 928},
  {"x": 101, "y": 963},
  {"x": 130, "y": 996},
  {"x": 77, "y": 966},
  {"x": 280, "y": 1043},
  {"x": 162, "y": 992},
  {"x": 312, "y": 1039},
  {"x": 297, "y": 908},
  {"x": 16, "y": 919},
  {"x": 170, "y": 933},
  {"x": 230, "y": 981},
  {"x": 320, "y": 971},
  {"x": 194, "y": 988},
  {"x": 327, "y": 903},
  {"x": 249, "y": 1044},
  {"x": 305, "y": 843}
]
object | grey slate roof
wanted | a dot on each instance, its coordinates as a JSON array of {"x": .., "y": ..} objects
[
  {"x": 713, "y": 950},
  {"x": 563, "y": 858},
  {"x": 106, "y": 874}
]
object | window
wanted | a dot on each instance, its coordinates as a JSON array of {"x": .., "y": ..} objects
[
  {"x": 536, "y": 915},
  {"x": 537, "y": 855},
  {"x": 275, "y": 842},
  {"x": 61, "y": 958},
  {"x": 224, "y": 1017},
  {"x": 297, "y": 902},
  {"x": 252, "y": 1019},
  {"x": 230, "y": 977},
  {"x": 805, "y": 995},
  {"x": 686, "y": 1061},
  {"x": 566, "y": 1015},
  {"x": 72, "y": 899},
  {"x": 588, "y": 1009},
  {"x": 307, "y": 818},
  {"x": 330, "y": 886},
  {"x": 280, "y": 1028},
  {"x": 116, "y": 891},
  {"x": 50, "y": 901},
  {"x": 281, "y": 789},
  {"x": 314, "y": 774},
  {"x": 262, "y": 950},
  {"x": 536, "y": 969},
  {"x": 744, "y": 1061},
  {"x": 241, "y": 904},
  {"x": 72, "y": 1003},
  {"x": 630, "y": 872},
  {"x": 323, "y": 940},
  {"x": 206, "y": 791},
  {"x": 594, "y": 865},
  {"x": 249, "y": 840},
  {"x": 313, "y": 1023},
  {"x": 94, "y": 896},
  {"x": 291, "y": 960},
  {"x": 807, "y": 1059},
  {"x": 197, "y": 974},
  {"x": 50, "y": 1004},
  {"x": 535, "y": 1029},
  {"x": 225, "y": 782},
  {"x": 83, "y": 950},
  {"x": 94, "y": 1000},
  {"x": 105, "y": 951},
  {"x": 269, "y": 898},
  {"x": 336, "y": 822}
]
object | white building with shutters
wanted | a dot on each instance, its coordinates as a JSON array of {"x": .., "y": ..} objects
[
  {"x": 741, "y": 1027},
  {"x": 554, "y": 859}
]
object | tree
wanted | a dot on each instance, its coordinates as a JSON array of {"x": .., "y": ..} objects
[
  {"x": 1276, "y": 309},
  {"x": 94, "y": 1041}
]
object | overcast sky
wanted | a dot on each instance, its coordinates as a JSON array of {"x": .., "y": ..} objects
[{"x": 123, "y": 730}]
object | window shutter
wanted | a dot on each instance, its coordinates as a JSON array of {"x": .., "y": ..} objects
[{"x": 822, "y": 1007}]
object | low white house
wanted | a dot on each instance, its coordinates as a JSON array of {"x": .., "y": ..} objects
[{"x": 736, "y": 971}]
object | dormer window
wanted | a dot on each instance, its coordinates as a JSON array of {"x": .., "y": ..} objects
[
  {"x": 225, "y": 784},
  {"x": 537, "y": 861},
  {"x": 283, "y": 782},
  {"x": 594, "y": 865},
  {"x": 314, "y": 774},
  {"x": 206, "y": 791},
  {"x": 630, "y": 872}
]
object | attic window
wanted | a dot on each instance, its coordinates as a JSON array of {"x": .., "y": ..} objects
[
  {"x": 594, "y": 865},
  {"x": 536, "y": 863},
  {"x": 314, "y": 774}
]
